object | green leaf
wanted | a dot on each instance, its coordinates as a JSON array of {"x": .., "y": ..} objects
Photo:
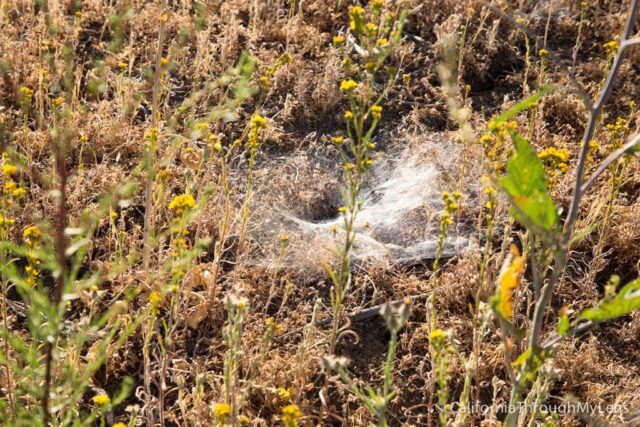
[
  {"x": 633, "y": 149},
  {"x": 623, "y": 303},
  {"x": 520, "y": 106},
  {"x": 563, "y": 325},
  {"x": 526, "y": 183}
]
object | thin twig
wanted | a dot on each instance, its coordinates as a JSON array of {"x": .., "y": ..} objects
[
  {"x": 60, "y": 243},
  {"x": 555, "y": 339},
  {"x": 607, "y": 162},
  {"x": 150, "y": 166},
  {"x": 367, "y": 313}
]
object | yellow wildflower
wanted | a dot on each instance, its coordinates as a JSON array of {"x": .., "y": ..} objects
[
  {"x": 259, "y": 121},
  {"x": 437, "y": 334},
  {"x": 356, "y": 11},
  {"x": 290, "y": 415},
  {"x": 119, "y": 425},
  {"x": 376, "y": 112},
  {"x": 19, "y": 193},
  {"x": 10, "y": 186},
  {"x": 9, "y": 170},
  {"x": 338, "y": 140},
  {"x": 543, "y": 53},
  {"x": 155, "y": 300},
  {"x": 555, "y": 159},
  {"x": 383, "y": 42},
  {"x": 182, "y": 202},
  {"x": 32, "y": 234},
  {"x": 348, "y": 85},
  {"x": 611, "y": 47},
  {"x": 348, "y": 115},
  {"x": 26, "y": 93},
  {"x": 164, "y": 61},
  {"x": 101, "y": 399},
  {"x": 221, "y": 412},
  {"x": 244, "y": 420},
  {"x": 285, "y": 394},
  {"x": 338, "y": 40},
  {"x": 57, "y": 102}
]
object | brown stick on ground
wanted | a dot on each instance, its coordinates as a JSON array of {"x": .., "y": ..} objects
[{"x": 367, "y": 313}]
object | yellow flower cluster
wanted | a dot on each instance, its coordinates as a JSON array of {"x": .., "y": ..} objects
[
  {"x": 355, "y": 17},
  {"x": 285, "y": 394},
  {"x": 451, "y": 205},
  {"x": 152, "y": 136},
  {"x": 181, "y": 203},
  {"x": 257, "y": 124},
  {"x": 611, "y": 47},
  {"x": 32, "y": 235},
  {"x": 619, "y": 130},
  {"x": 155, "y": 301},
  {"x": 291, "y": 415},
  {"x": 9, "y": 170},
  {"x": 10, "y": 188},
  {"x": 273, "y": 327},
  {"x": 270, "y": 72},
  {"x": 338, "y": 140},
  {"x": 348, "y": 85},
  {"x": 221, "y": 412},
  {"x": 491, "y": 197},
  {"x": 555, "y": 159},
  {"x": 101, "y": 399},
  {"x": 26, "y": 94},
  {"x": 376, "y": 112}
]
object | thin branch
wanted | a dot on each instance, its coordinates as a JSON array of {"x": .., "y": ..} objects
[
  {"x": 631, "y": 42},
  {"x": 607, "y": 162},
  {"x": 593, "y": 120},
  {"x": 555, "y": 339},
  {"x": 578, "y": 88}
]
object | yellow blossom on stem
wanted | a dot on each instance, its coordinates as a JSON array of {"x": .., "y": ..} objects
[
  {"x": 31, "y": 234},
  {"x": 338, "y": 40},
  {"x": 9, "y": 170},
  {"x": 291, "y": 415},
  {"x": 611, "y": 47},
  {"x": 259, "y": 121},
  {"x": 19, "y": 193},
  {"x": 348, "y": 85},
  {"x": 155, "y": 301},
  {"x": 181, "y": 203},
  {"x": 221, "y": 412},
  {"x": 285, "y": 394},
  {"x": 101, "y": 399},
  {"x": 376, "y": 112}
]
